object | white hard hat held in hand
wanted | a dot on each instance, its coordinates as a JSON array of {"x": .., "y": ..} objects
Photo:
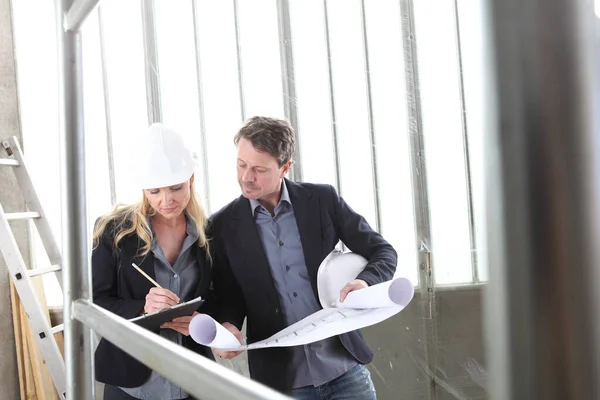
[{"x": 162, "y": 158}]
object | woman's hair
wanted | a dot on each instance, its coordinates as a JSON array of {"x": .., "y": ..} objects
[{"x": 129, "y": 219}]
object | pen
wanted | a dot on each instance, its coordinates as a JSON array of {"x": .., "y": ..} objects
[{"x": 146, "y": 276}]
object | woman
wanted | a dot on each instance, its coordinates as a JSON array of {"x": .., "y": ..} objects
[{"x": 164, "y": 234}]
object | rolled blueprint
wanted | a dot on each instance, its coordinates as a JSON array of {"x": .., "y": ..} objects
[
  {"x": 207, "y": 331},
  {"x": 397, "y": 292},
  {"x": 361, "y": 308}
]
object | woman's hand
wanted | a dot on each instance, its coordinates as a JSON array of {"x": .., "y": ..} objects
[
  {"x": 228, "y": 355},
  {"x": 180, "y": 324},
  {"x": 158, "y": 298}
]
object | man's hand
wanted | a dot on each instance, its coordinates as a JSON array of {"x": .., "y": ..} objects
[
  {"x": 352, "y": 286},
  {"x": 158, "y": 298},
  {"x": 228, "y": 355},
  {"x": 180, "y": 324}
]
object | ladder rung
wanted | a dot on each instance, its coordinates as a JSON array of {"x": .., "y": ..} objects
[
  {"x": 9, "y": 162},
  {"x": 22, "y": 215},
  {"x": 57, "y": 328},
  {"x": 40, "y": 271}
]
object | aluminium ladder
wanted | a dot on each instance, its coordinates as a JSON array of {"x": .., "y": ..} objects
[{"x": 20, "y": 274}]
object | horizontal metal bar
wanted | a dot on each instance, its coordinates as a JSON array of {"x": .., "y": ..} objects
[
  {"x": 197, "y": 375},
  {"x": 41, "y": 271},
  {"x": 22, "y": 215},
  {"x": 78, "y": 12},
  {"x": 57, "y": 328},
  {"x": 8, "y": 162},
  {"x": 460, "y": 286}
]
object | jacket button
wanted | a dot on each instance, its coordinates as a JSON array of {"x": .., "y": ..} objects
[{"x": 277, "y": 311}]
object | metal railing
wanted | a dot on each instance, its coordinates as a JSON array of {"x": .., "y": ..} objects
[{"x": 197, "y": 375}]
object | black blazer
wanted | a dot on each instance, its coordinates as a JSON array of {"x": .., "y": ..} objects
[
  {"x": 121, "y": 289},
  {"x": 244, "y": 284}
]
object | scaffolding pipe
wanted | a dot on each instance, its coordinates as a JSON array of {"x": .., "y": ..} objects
[
  {"x": 78, "y": 12},
  {"x": 197, "y": 375},
  {"x": 542, "y": 158},
  {"x": 75, "y": 260}
]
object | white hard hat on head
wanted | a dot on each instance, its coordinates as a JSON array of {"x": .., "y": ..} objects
[{"x": 162, "y": 158}]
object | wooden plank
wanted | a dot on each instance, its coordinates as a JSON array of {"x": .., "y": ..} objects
[
  {"x": 43, "y": 380},
  {"x": 60, "y": 341},
  {"x": 30, "y": 391},
  {"x": 35, "y": 381},
  {"x": 14, "y": 300}
]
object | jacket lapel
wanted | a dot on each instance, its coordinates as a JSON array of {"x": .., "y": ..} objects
[
  {"x": 307, "y": 213},
  {"x": 145, "y": 263},
  {"x": 248, "y": 240}
]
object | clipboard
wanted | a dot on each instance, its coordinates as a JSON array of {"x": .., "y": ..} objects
[{"x": 154, "y": 320}]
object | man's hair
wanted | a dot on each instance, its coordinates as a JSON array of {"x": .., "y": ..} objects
[{"x": 269, "y": 135}]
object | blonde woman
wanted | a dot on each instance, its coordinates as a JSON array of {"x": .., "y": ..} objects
[{"x": 164, "y": 234}]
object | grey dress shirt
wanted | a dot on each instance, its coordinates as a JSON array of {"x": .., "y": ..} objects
[
  {"x": 316, "y": 363},
  {"x": 182, "y": 279}
]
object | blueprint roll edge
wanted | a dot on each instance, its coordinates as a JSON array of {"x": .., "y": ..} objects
[{"x": 361, "y": 308}]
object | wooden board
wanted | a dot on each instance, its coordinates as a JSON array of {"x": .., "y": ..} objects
[{"x": 35, "y": 381}]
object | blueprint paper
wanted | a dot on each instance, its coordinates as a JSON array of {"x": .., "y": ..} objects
[
  {"x": 207, "y": 330},
  {"x": 386, "y": 294},
  {"x": 373, "y": 305}
]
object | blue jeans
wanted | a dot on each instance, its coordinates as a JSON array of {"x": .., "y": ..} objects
[{"x": 356, "y": 384}]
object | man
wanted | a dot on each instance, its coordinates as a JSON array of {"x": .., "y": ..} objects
[{"x": 269, "y": 244}]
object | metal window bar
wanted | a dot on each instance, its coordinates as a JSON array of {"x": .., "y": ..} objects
[
  {"x": 203, "y": 141},
  {"x": 198, "y": 376},
  {"x": 153, "y": 97},
  {"x": 419, "y": 188},
  {"x": 334, "y": 133},
  {"x": 238, "y": 45},
  {"x": 373, "y": 149},
  {"x": 288, "y": 78},
  {"x": 107, "y": 119},
  {"x": 417, "y": 143},
  {"x": 465, "y": 135}
]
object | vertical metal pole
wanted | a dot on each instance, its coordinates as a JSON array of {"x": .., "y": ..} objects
[
  {"x": 288, "y": 77},
  {"x": 203, "y": 142},
  {"x": 465, "y": 134},
  {"x": 151, "y": 62},
  {"x": 375, "y": 176},
  {"x": 107, "y": 120},
  {"x": 336, "y": 152},
  {"x": 543, "y": 165},
  {"x": 76, "y": 267},
  {"x": 419, "y": 186},
  {"x": 238, "y": 45}
]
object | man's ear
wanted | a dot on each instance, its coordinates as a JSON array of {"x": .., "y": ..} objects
[{"x": 286, "y": 168}]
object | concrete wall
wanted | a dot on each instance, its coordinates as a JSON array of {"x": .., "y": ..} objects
[
  {"x": 450, "y": 365},
  {"x": 11, "y": 200}
]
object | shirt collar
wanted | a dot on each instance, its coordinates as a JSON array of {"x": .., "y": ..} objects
[
  {"x": 285, "y": 196},
  {"x": 190, "y": 229}
]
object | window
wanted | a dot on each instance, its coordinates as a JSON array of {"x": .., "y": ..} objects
[{"x": 351, "y": 104}]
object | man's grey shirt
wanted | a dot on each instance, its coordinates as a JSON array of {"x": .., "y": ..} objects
[
  {"x": 316, "y": 363},
  {"x": 182, "y": 279}
]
